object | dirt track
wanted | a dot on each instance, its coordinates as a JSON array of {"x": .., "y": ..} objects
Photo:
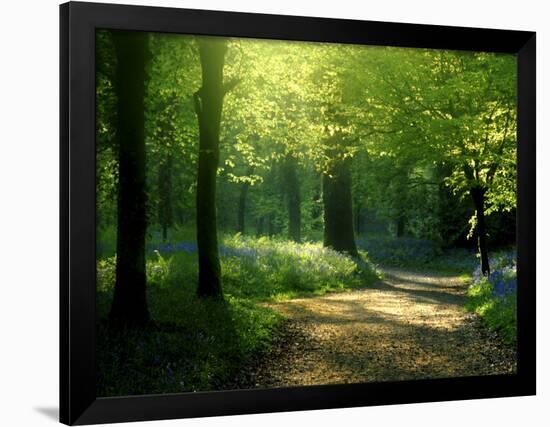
[{"x": 408, "y": 326}]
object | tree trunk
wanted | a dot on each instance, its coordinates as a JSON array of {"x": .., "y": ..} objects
[
  {"x": 166, "y": 215},
  {"x": 270, "y": 225},
  {"x": 242, "y": 208},
  {"x": 317, "y": 209},
  {"x": 292, "y": 185},
  {"x": 400, "y": 225},
  {"x": 208, "y": 106},
  {"x": 260, "y": 226},
  {"x": 338, "y": 210},
  {"x": 241, "y": 226},
  {"x": 478, "y": 195},
  {"x": 358, "y": 218},
  {"x": 129, "y": 301}
]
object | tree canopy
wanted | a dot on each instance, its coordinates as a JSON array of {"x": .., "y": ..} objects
[{"x": 315, "y": 141}]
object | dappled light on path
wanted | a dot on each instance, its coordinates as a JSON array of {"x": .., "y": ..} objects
[{"x": 408, "y": 326}]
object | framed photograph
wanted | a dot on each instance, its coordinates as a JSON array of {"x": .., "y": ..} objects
[{"x": 267, "y": 213}]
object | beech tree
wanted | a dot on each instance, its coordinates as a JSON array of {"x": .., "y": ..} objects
[
  {"x": 129, "y": 300},
  {"x": 454, "y": 110},
  {"x": 208, "y": 107},
  {"x": 315, "y": 142}
]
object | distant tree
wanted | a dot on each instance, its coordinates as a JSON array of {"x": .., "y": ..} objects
[
  {"x": 171, "y": 130},
  {"x": 473, "y": 119},
  {"x": 165, "y": 148},
  {"x": 241, "y": 226},
  {"x": 270, "y": 111},
  {"x": 165, "y": 205},
  {"x": 454, "y": 110},
  {"x": 293, "y": 199}
]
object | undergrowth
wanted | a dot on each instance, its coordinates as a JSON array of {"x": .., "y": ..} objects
[
  {"x": 195, "y": 344},
  {"x": 494, "y": 297}
]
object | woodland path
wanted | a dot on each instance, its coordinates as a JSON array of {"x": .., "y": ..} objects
[{"x": 410, "y": 325}]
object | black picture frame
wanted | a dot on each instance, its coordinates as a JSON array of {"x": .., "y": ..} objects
[{"x": 78, "y": 401}]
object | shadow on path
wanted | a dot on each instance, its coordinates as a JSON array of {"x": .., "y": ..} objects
[
  {"x": 410, "y": 325},
  {"x": 436, "y": 292}
]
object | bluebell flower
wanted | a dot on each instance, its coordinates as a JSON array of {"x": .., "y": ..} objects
[{"x": 503, "y": 278}]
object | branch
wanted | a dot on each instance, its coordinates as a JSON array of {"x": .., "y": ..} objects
[
  {"x": 230, "y": 85},
  {"x": 489, "y": 120},
  {"x": 378, "y": 131},
  {"x": 468, "y": 172},
  {"x": 414, "y": 184},
  {"x": 413, "y": 98},
  {"x": 500, "y": 149}
]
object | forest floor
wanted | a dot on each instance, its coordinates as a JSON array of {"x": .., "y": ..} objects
[{"x": 410, "y": 325}]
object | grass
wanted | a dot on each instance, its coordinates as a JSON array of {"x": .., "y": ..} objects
[
  {"x": 494, "y": 298},
  {"x": 195, "y": 344},
  {"x": 198, "y": 345}
]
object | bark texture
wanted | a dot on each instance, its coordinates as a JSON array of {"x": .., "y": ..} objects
[
  {"x": 478, "y": 196},
  {"x": 293, "y": 199},
  {"x": 129, "y": 301},
  {"x": 241, "y": 212},
  {"x": 208, "y": 107},
  {"x": 337, "y": 202}
]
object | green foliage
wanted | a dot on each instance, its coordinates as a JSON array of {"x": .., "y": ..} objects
[
  {"x": 420, "y": 128},
  {"x": 273, "y": 269},
  {"x": 192, "y": 345},
  {"x": 498, "y": 314},
  {"x": 196, "y": 344},
  {"x": 494, "y": 298},
  {"x": 418, "y": 123}
]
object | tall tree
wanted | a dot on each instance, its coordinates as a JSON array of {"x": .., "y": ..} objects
[
  {"x": 479, "y": 116},
  {"x": 106, "y": 144},
  {"x": 337, "y": 200},
  {"x": 129, "y": 301},
  {"x": 478, "y": 196},
  {"x": 208, "y": 107},
  {"x": 165, "y": 141},
  {"x": 241, "y": 214},
  {"x": 172, "y": 131},
  {"x": 293, "y": 199},
  {"x": 165, "y": 206},
  {"x": 336, "y": 113},
  {"x": 460, "y": 105}
]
